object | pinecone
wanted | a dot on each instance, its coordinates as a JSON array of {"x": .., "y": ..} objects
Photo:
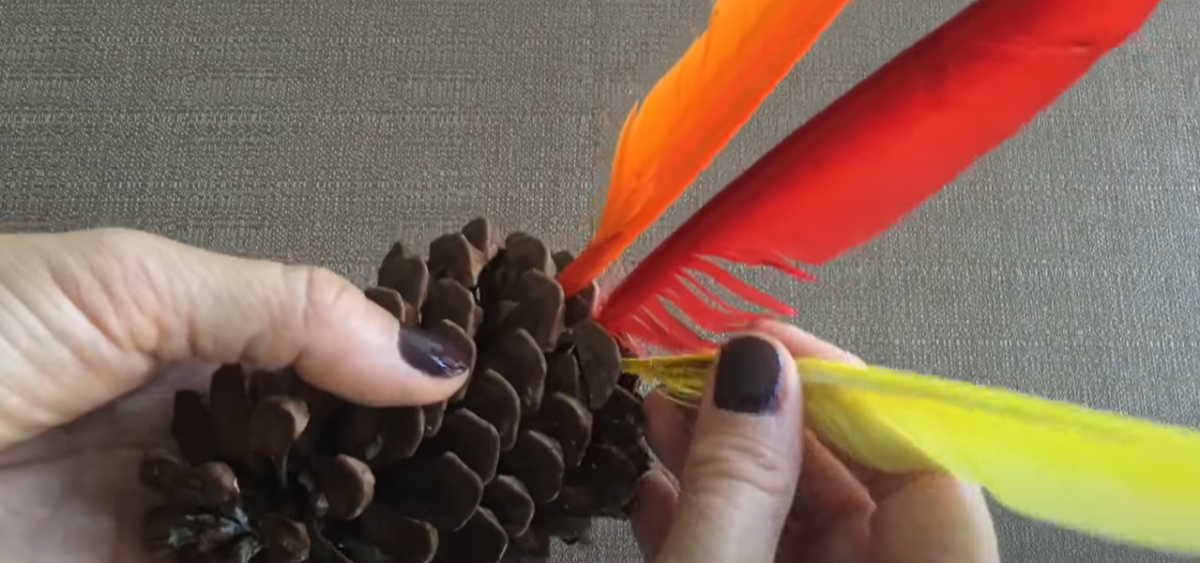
[{"x": 546, "y": 435}]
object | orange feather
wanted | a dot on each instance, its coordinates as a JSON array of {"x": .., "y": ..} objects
[
  {"x": 693, "y": 112},
  {"x": 868, "y": 160}
]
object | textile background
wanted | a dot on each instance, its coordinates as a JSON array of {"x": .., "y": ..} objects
[{"x": 1064, "y": 264}]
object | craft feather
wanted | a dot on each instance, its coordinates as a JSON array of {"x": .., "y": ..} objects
[
  {"x": 691, "y": 114},
  {"x": 869, "y": 159},
  {"x": 1105, "y": 474}
]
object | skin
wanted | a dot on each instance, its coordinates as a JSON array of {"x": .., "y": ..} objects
[
  {"x": 99, "y": 328},
  {"x": 97, "y": 331},
  {"x": 840, "y": 512}
]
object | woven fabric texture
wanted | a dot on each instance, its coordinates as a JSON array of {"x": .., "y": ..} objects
[{"x": 1063, "y": 264}]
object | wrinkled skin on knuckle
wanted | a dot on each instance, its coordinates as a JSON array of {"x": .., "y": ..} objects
[
  {"x": 90, "y": 291},
  {"x": 731, "y": 463},
  {"x": 63, "y": 324},
  {"x": 316, "y": 293},
  {"x": 312, "y": 297},
  {"x": 132, "y": 308}
]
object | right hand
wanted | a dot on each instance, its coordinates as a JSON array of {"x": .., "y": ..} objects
[{"x": 758, "y": 488}]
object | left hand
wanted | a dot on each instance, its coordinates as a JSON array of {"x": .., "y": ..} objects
[{"x": 99, "y": 328}]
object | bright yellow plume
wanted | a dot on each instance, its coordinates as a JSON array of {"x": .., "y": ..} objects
[{"x": 1105, "y": 474}]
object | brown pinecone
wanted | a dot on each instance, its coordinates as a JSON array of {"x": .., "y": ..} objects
[{"x": 546, "y": 435}]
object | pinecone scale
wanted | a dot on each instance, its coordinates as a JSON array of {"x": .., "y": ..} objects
[{"x": 546, "y": 435}]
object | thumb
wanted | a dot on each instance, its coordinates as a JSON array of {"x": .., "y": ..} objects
[
  {"x": 98, "y": 310},
  {"x": 273, "y": 315},
  {"x": 740, "y": 476}
]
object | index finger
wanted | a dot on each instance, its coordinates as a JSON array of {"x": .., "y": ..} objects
[
  {"x": 912, "y": 515},
  {"x": 803, "y": 344}
]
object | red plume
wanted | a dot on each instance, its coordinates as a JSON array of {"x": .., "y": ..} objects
[{"x": 871, "y": 157}]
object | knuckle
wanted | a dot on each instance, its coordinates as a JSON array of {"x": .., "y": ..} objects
[
  {"x": 116, "y": 235},
  {"x": 315, "y": 291},
  {"x": 122, "y": 242},
  {"x": 731, "y": 460},
  {"x": 112, "y": 277}
]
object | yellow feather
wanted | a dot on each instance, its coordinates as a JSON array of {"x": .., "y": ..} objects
[{"x": 1106, "y": 474}]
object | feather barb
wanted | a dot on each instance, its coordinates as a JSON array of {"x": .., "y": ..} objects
[
  {"x": 693, "y": 112},
  {"x": 880, "y": 150},
  {"x": 1106, "y": 474}
]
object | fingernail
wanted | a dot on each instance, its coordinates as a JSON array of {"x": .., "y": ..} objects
[
  {"x": 748, "y": 376},
  {"x": 431, "y": 354}
]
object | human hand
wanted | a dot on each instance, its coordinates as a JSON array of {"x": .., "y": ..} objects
[
  {"x": 758, "y": 488},
  {"x": 99, "y": 328}
]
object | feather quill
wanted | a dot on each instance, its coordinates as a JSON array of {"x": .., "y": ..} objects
[
  {"x": 692, "y": 113},
  {"x": 870, "y": 158},
  {"x": 1106, "y": 474}
]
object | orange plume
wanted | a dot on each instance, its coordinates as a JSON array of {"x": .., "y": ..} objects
[
  {"x": 868, "y": 160},
  {"x": 693, "y": 112}
]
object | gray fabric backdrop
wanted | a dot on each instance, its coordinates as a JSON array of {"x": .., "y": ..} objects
[{"x": 1063, "y": 264}]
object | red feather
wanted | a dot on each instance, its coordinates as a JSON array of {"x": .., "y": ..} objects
[{"x": 871, "y": 157}]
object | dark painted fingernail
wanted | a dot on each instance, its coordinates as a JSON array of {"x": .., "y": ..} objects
[
  {"x": 748, "y": 376},
  {"x": 431, "y": 354}
]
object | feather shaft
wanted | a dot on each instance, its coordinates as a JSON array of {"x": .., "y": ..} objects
[
  {"x": 888, "y": 144},
  {"x": 693, "y": 112},
  {"x": 1106, "y": 474}
]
